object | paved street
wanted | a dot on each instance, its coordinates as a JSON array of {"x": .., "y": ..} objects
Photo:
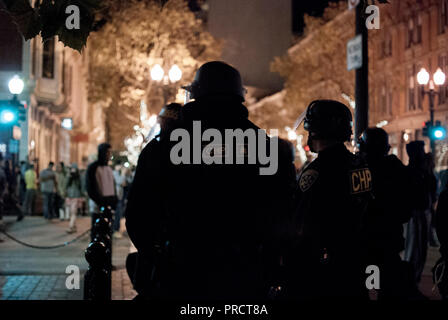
[
  {"x": 34, "y": 274},
  {"x": 40, "y": 274}
]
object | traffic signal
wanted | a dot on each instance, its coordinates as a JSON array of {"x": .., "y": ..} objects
[
  {"x": 8, "y": 115},
  {"x": 426, "y": 128},
  {"x": 22, "y": 113},
  {"x": 438, "y": 132}
]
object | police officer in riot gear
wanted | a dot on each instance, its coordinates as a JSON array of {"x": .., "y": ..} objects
[
  {"x": 143, "y": 265},
  {"x": 332, "y": 198},
  {"x": 391, "y": 208},
  {"x": 214, "y": 221}
]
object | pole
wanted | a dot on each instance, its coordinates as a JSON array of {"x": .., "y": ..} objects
[
  {"x": 431, "y": 119},
  {"x": 362, "y": 77}
]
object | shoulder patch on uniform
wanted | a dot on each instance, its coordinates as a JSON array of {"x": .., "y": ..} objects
[
  {"x": 307, "y": 179},
  {"x": 360, "y": 181}
]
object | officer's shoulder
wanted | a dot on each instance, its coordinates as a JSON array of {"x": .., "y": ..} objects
[
  {"x": 309, "y": 175},
  {"x": 152, "y": 146},
  {"x": 394, "y": 161},
  {"x": 247, "y": 124}
]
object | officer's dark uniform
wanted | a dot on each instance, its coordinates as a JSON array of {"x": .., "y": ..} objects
[
  {"x": 332, "y": 198},
  {"x": 214, "y": 221},
  {"x": 391, "y": 208},
  {"x": 441, "y": 268}
]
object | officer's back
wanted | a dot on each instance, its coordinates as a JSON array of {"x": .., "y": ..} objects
[
  {"x": 219, "y": 217},
  {"x": 392, "y": 185}
]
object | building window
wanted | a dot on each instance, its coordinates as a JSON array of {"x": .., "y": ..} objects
[
  {"x": 414, "y": 34},
  {"x": 33, "y": 58},
  {"x": 48, "y": 59},
  {"x": 410, "y": 33},
  {"x": 386, "y": 46},
  {"x": 418, "y": 30},
  {"x": 390, "y": 101},
  {"x": 418, "y": 91},
  {"x": 411, "y": 90},
  {"x": 383, "y": 101},
  {"x": 443, "y": 15},
  {"x": 443, "y": 90},
  {"x": 67, "y": 80}
]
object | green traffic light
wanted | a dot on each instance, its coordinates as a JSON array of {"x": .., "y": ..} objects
[
  {"x": 8, "y": 116},
  {"x": 438, "y": 133}
]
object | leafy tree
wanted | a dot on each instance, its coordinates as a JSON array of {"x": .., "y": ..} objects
[
  {"x": 138, "y": 35},
  {"x": 48, "y": 19},
  {"x": 316, "y": 67}
]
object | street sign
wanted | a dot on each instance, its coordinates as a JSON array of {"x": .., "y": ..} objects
[
  {"x": 354, "y": 53},
  {"x": 352, "y": 4}
]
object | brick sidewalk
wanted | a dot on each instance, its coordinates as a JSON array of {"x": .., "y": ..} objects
[
  {"x": 31, "y": 274},
  {"x": 122, "y": 286},
  {"x": 52, "y": 287},
  {"x": 37, "y": 287}
]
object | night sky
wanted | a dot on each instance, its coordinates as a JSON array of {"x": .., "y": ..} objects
[
  {"x": 311, "y": 7},
  {"x": 299, "y": 7}
]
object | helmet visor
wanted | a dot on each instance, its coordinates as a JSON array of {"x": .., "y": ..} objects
[{"x": 299, "y": 120}]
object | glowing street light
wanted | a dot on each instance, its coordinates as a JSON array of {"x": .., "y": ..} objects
[
  {"x": 175, "y": 73},
  {"x": 439, "y": 77},
  {"x": 157, "y": 73},
  {"x": 423, "y": 77},
  {"x": 439, "y": 133},
  {"x": 7, "y": 116},
  {"x": 435, "y": 129},
  {"x": 16, "y": 85}
]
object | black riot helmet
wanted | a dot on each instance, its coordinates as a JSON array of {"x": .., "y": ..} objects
[
  {"x": 216, "y": 78},
  {"x": 329, "y": 119},
  {"x": 375, "y": 142}
]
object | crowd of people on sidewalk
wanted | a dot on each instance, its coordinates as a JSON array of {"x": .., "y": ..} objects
[{"x": 63, "y": 191}]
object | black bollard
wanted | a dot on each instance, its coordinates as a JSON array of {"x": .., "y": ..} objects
[
  {"x": 97, "y": 280},
  {"x": 108, "y": 213},
  {"x": 101, "y": 233}
]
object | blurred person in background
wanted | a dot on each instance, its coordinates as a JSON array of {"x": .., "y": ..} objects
[
  {"x": 74, "y": 195},
  {"x": 22, "y": 188},
  {"x": 416, "y": 245},
  {"x": 82, "y": 173},
  {"x": 431, "y": 182},
  {"x": 61, "y": 178},
  {"x": 48, "y": 186},
  {"x": 440, "y": 270},
  {"x": 120, "y": 181},
  {"x": 100, "y": 183},
  {"x": 15, "y": 196},
  {"x": 31, "y": 189},
  {"x": 3, "y": 187}
]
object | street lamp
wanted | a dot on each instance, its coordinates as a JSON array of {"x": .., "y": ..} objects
[
  {"x": 16, "y": 86},
  {"x": 10, "y": 116},
  {"x": 173, "y": 76},
  {"x": 157, "y": 73},
  {"x": 438, "y": 79}
]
